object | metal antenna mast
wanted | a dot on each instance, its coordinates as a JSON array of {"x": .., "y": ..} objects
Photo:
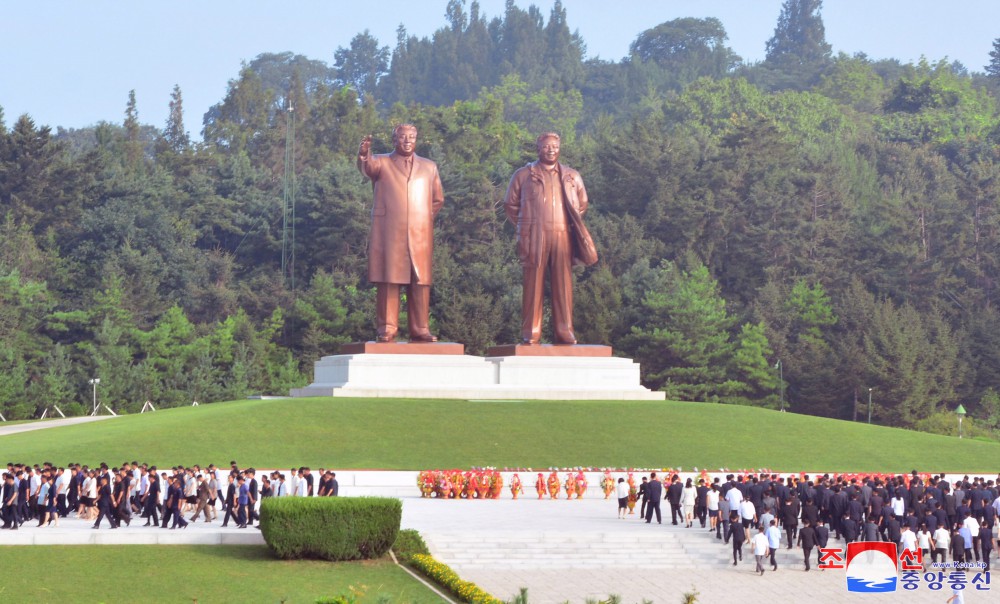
[{"x": 288, "y": 209}]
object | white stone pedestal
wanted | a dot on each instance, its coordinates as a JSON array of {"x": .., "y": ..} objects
[{"x": 468, "y": 377}]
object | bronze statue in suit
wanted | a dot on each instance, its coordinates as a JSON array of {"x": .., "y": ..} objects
[
  {"x": 408, "y": 194},
  {"x": 546, "y": 200}
]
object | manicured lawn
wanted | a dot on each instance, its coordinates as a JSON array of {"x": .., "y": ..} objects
[
  {"x": 185, "y": 574},
  {"x": 418, "y": 434}
]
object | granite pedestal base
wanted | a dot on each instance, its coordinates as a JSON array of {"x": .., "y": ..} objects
[{"x": 581, "y": 373}]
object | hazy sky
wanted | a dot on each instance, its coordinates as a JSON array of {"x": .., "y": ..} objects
[{"x": 72, "y": 63}]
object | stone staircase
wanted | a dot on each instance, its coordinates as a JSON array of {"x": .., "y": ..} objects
[{"x": 643, "y": 548}]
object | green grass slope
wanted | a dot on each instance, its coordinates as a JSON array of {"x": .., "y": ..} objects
[
  {"x": 419, "y": 434},
  {"x": 181, "y": 573}
]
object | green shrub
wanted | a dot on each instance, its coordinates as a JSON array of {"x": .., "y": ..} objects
[
  {"x": 330, "y": 528},
  {"x": 408, "y": 543},
  {"x": 443, "y": 575}
]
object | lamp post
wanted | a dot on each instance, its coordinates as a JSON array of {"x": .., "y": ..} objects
[
  {"x": 94, "y": 382},
  {"x": 781, "y": 384},
  {"x": 960, "y": 412},
  {"x": 870, "y": 404}
]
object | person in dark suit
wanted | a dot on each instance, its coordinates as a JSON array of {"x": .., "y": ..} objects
[
  {"x": 230, "y": 501},
  {"x": 123, "y": 511},
  {"x": 822, "y": 538},
  {"x": 738, "y": 534},
  {"x": 334, "y": 490},
  {"x": 8, "y": 503},
  {"x": 654, "y": 490},
  {"x": 807, "y": 539},
  {"x": 252, "y": 515},
  {"x": 151, "y": 500},
  {"x": 104, "y": 504},
  {"x": 175, "y": 504},
  {"x": 674, "y": 493},
  {"x": 790, "y": 517},
  {"x": 643, "y": 496},
  {"x": 849, "y": 528}
]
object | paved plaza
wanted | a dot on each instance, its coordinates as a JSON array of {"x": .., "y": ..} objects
[{"x": 573, "y": 550}]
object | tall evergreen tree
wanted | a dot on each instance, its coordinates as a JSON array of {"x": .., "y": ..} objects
[
  {"x": 174, "y": 133},
  {"x": 798, "y": 52},
  {"x": 133, "y": 144}
]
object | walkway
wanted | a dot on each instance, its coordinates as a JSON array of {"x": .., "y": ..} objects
[{"x": 49, "y": 423}]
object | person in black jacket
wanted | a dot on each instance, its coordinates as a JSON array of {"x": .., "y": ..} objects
[
  {"x": 151, "y": 500},
  {"x": 822, "y": 538},
  {"x": 643, "y": 496},
  {"x": 807, "y": 539},
  {"x": 653, "y": 490},
  {"x": 104, "y": 504},
  {"x": 674, "y": 493},
  {"x": 790, "y": 517},
  {"x": 230, "y": 502},
  {"x": 738, "y": 535}
]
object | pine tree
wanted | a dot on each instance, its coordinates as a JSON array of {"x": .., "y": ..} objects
[
  {"x": 174, "y": 134},
  {"x": 133, "y": 145},
  {"x": 797, "y": 53},
  {"x": 993, "y": 68}
]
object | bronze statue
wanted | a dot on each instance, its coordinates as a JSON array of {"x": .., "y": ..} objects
[
  {"x": 408, "y": 194},
  {"x": 546, "y": 200}
]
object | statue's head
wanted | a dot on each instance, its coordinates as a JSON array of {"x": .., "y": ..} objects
[
  {"x": 548, "y": 148},
  {"x": 404, "y": 139}
]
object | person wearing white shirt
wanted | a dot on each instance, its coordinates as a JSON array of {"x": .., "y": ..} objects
[
  {"x": 621, "y": 490},
  {"x": 898, "y": 507},
  {"x": 907, "y": 539},
  {"x": 760, "y": 549},
  {"x": 712, "y": 503},
  {"x": 748, "y": 513},
  {"x": 773, "y": 534},
  {"x": 942, "y": 542},
  {"x": 924, "y": 540},
  {"x": 734, "y": 497}
]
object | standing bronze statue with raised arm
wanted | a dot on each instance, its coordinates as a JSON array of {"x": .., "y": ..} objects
[
  {"x": 546, "y": 200},
  {"x": 408, "y": 194}
]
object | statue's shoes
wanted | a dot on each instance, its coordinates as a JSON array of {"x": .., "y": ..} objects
[{"x": 424, "y": 338}]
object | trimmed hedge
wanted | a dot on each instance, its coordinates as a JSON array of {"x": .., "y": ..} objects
[
  {"x": 408, "y": 543},
  {"x": 330, "y": 528},
  {"x": 443, "y": 575}
]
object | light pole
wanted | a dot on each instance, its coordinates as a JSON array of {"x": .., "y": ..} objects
[
  {"x": 94, "y": 382},
  {"x": 781, "y": 384},
  {"x": 960, "y": 412},
  {"x": 870, "y": 404}
]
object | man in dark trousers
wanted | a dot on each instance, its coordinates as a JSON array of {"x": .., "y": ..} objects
[
  {"x": 8, "y": 504},
  {"x": 674, "y": 492},
  {"x": 643, "y": 496},
  {"x": 822, "y": 538},
  {"x": 790, "y": 517},
  {"x": 254, "y": 496},
  {"x": 151, "y": 500},
  {"x": 230, "y": 501},
  {"x": 807, "y": 539},
  {"x": 654, "y": 491},
  {"x": 104, "y": 504}
]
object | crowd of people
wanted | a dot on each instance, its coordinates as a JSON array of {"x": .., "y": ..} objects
[
  {"x": 930, "y": 516},
  {"x": 45, "y": 493}
]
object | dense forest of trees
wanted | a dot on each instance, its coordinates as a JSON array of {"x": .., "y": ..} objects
[{"x": 838, "y": 213}]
